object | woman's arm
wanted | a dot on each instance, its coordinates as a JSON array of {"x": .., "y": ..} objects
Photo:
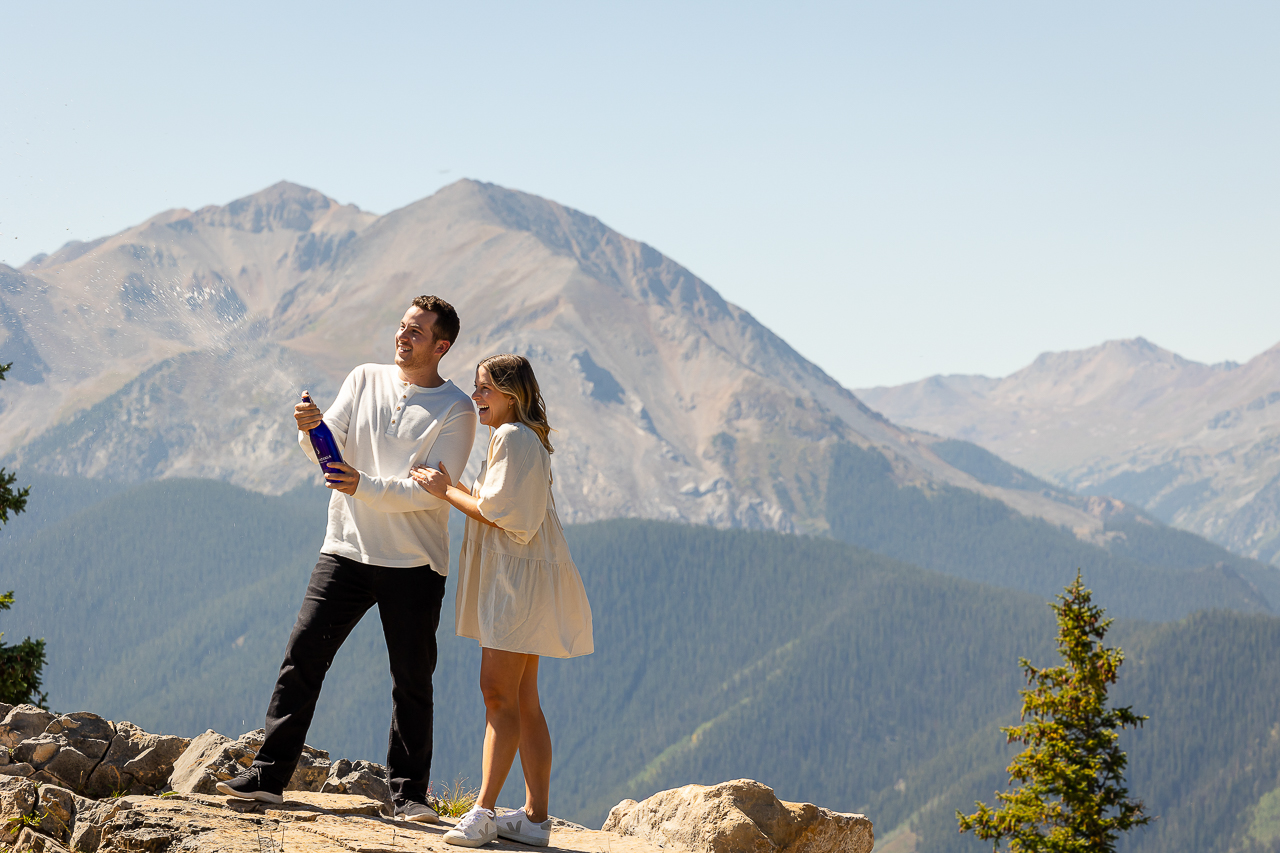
[{"x": 440, "y": 484}]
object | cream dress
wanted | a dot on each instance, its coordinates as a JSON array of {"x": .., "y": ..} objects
[{"x": 518, "y": 589}]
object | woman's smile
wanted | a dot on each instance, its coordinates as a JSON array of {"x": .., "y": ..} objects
[{"x": 493, "y": 407}]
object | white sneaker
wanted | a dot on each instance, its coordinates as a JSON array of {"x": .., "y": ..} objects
[
  {"x": 516, "y": 826},
  {"x": 474, "y": 829}
]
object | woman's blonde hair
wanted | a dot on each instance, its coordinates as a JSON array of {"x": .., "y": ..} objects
[{"x": 513, "y": 375}]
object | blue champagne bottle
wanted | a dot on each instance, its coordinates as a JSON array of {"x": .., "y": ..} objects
[{"x": 322, "y": 440}]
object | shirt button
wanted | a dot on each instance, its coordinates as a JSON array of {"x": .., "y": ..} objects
[{"x": 393, "y": 423}]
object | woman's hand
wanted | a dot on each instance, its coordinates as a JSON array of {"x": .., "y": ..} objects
[
  {"x": 440, "y": 484},
  {"x": 435, "y": 482}
]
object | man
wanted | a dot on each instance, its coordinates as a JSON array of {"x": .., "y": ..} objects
[{"x": 386, "y": 543}]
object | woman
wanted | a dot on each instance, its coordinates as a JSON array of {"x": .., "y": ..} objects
[{"x": 519, "y": 594}]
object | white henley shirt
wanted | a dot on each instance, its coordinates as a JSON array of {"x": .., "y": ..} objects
[{"x": 384, "y": 426}]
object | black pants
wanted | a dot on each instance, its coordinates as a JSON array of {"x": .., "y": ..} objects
[{"x": 340, "y": 593}]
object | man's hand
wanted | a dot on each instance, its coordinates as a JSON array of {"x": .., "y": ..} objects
[
  {"x": 435, "y": 482},
  {"x": 308, "y": 415},
  {"x": 346, "y": 480}
]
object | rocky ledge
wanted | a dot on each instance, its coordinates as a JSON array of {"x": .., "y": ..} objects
[{"x": 77, "y": 783}]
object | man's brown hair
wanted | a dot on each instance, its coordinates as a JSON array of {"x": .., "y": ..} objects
[{"x": 446, "y": 325}]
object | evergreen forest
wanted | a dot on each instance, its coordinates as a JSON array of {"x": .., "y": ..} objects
[{"x": 867, "y": 677}]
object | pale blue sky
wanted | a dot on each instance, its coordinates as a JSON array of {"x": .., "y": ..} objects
[{"x": 898, "y": 189}]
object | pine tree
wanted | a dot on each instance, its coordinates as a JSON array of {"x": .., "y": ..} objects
[
  {"x": 20, "y": 665},
  {"x": 1071, "y": 795},
  {"x": 10, "y": 500}
]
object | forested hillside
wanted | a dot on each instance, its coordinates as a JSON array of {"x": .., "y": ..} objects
[
  {"x": 1145, "y": 570},
  {"x": 835, "y": 674}
]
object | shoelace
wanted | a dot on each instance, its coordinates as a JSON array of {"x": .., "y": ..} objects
[{"x": 472, "y": 817}]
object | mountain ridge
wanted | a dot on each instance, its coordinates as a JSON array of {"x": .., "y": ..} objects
[
  {"x": 1196, "y": 445},
  {"x": 711, "y": 417}
]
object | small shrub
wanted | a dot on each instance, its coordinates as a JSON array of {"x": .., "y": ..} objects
[{"x": 453, "y": 801}]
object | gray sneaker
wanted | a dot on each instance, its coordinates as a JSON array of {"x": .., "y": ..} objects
[
  {"x": 416, "y": 812},
  {"x": 516, "y": 826},
  {"x": 250, "y": 785}
]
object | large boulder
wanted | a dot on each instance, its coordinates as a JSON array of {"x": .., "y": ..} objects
[
  {"x": 68, "y": 750},
  {"x": 22, "y": 722},
  {"x": 87, "y": 754},
  {"x": 361, "y": 778},
  {"x": 136, "y": 762},
  {"x": 212, "y": 758},
  {"x": 742, "y": 816},
  {"x": 203, "y": 765}
]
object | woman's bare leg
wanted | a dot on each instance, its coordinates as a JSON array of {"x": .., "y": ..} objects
[
  {"x": 501, "y": 674},
  {"x": 535, "y": 746}
]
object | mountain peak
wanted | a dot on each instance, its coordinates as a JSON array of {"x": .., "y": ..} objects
[
  {"x": 283, "y": 205},
  {"x": 605, "y": 255},
  {"x": 1115, "y": 359}
]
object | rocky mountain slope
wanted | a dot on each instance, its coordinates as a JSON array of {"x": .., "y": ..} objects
[
  {"x": 78, "y": 782},
  {"x": 177, "y": 348},
  {"x": 1196, "y": 445}
]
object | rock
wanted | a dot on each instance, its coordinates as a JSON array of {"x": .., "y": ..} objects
[
  {"x": 127, "y": 828},
  {"x": 88, "y": 734},
  {"x": 742, "y": 816},
  {"x": 338, "y": 804},
  {"x": 18, "y": 799},
  {"x": 68, "y": 749},
  {"x": 22, "y": 722},
  {"x": 195, "y": 772},
  {"x": 5, "y": 708},
  {"x": 313, "y": 765},
  {"x": 57, "y": 812},
  {"x": 305, "y": 823},
  {"x": 86, "y": 837},
  {"x": 361, "y": 778},
  {"x": 37, "y": 751},
  {"x": 31, "y": 841},
  {"x": 136, "y": 762},
  {"x": 213, "y": 758},
  {"x": 87, "y": 754},
  {"x": 72, "y": 767},
  {"x": 81, "y": 726}
]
